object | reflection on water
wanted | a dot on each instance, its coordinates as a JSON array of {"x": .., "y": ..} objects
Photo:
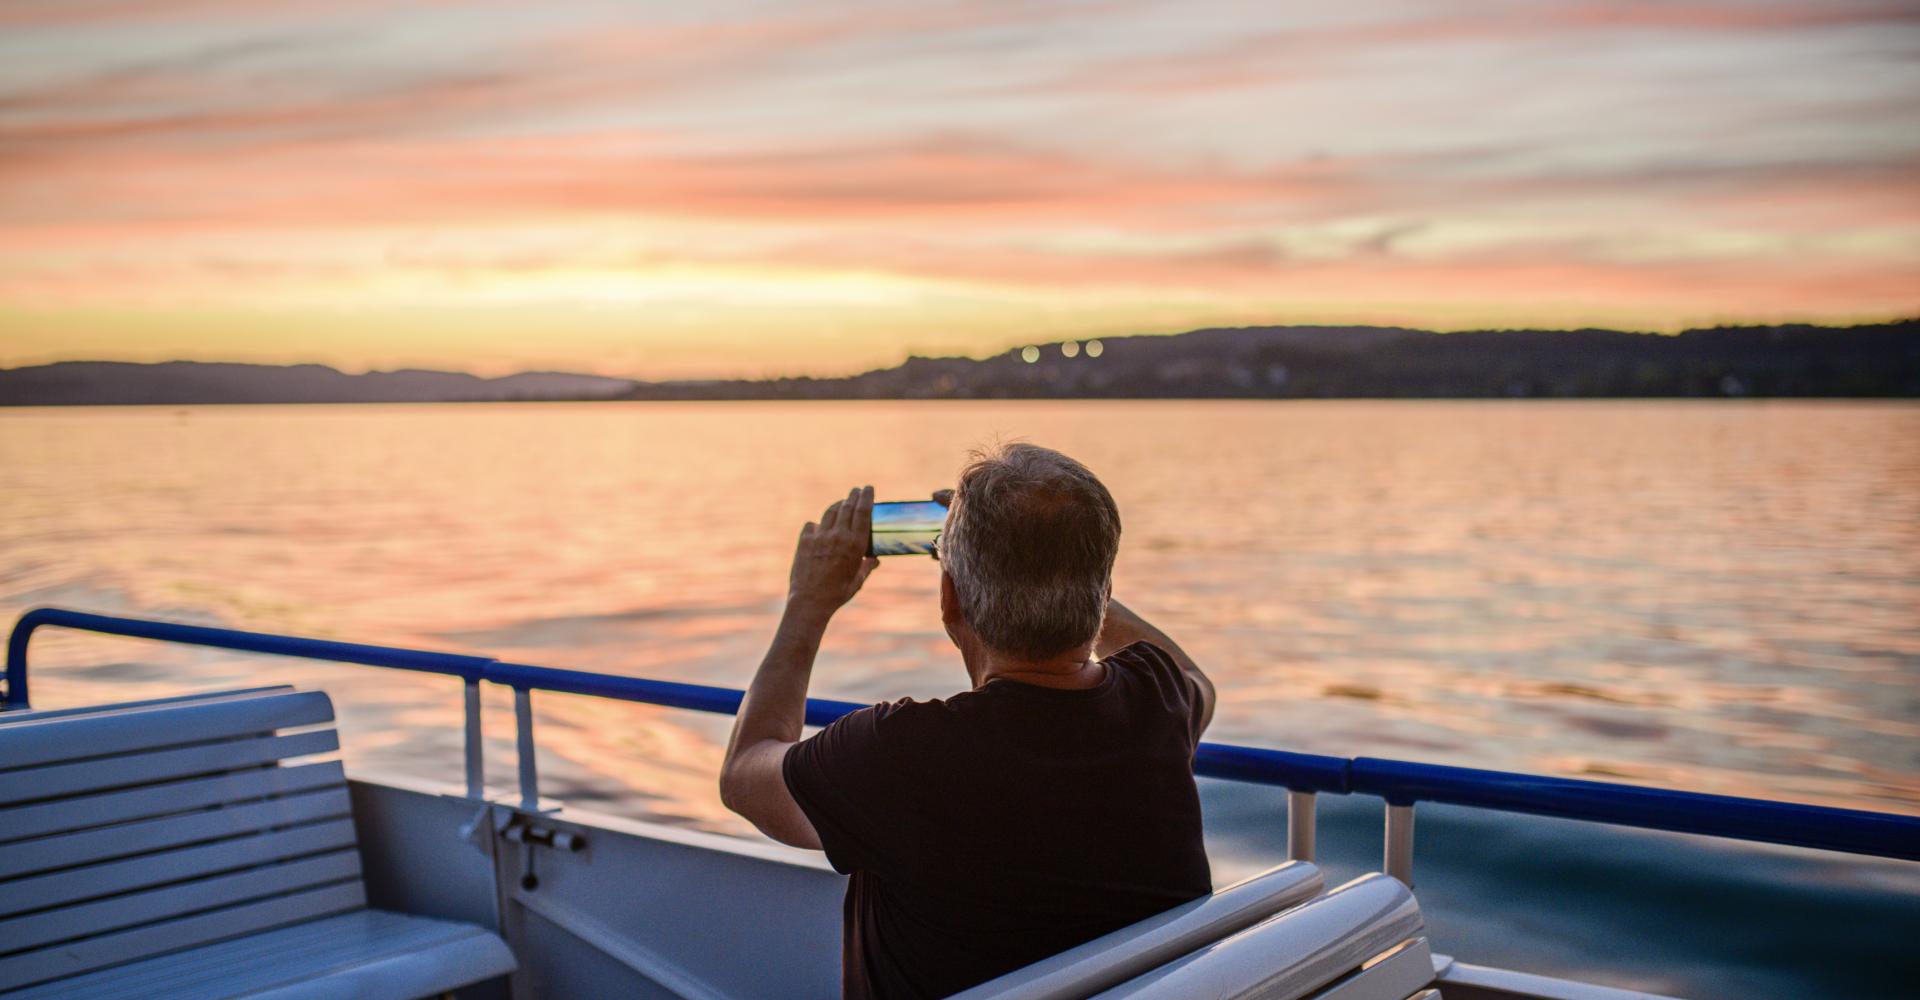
[{"x": 1705, "y": 595}]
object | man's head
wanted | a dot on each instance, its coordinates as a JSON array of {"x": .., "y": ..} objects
[{"x": 1028, "y": 547}]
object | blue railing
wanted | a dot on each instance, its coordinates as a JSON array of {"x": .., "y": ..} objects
[{"x": 1400, "y": 783}]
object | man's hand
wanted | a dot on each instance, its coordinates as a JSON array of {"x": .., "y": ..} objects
[{"x": 831, "y": 561}]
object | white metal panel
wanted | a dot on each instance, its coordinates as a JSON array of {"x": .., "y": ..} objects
[
  {"x": 694, "y": 900},
  {"x": 106, "y": 879},
  {"x": 59, "y": 780},
  {"x": 62, "y": 850},
  {"x": 366, "y": 954},
  {"x": 87, "y": 919},
  {"x": 1130, "y": 951},
  {"x": 49, "y": 741},
  {"x": 42, "y": 818},
  {"x": 637, "y": 957},
  {"x": 124, "y": 946},
  {"x": 1293, "y": 954}
]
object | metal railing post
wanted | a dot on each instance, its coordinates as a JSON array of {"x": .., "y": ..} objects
[
  {"x": 476, "y": 746},
  {"x": 1399, "y": 850},
  {"x": 1300, "y": 825},
  {"x": 523, "y": 740}
]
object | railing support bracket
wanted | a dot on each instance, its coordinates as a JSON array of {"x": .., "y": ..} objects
[
  {"x": 523, "y": 742},
  {"x": 476, "y": 744},
  {"x": 1399, "y": 847},
  {"x": 1300, "y": 825}
]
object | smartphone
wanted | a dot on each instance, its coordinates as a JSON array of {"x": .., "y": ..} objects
[{"x": 906, "y": 528}]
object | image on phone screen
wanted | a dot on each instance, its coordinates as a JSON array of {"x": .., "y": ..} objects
[{"x": 906, "y": 528}]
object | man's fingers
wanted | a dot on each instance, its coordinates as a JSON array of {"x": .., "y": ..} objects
[
  {"x": 841, "y": 513},
  {"x": 850, "y": 509},
  {"x": 867, "y": 566},
  {"x": 852, "y": 516},
  {"x": 863, "y": 510}
]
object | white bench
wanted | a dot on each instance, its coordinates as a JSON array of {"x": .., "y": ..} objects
[
  {"x": 162, "y": 848},
  {"x": 1363, "y": 941},
  {"x": 1137, "y": 948}
]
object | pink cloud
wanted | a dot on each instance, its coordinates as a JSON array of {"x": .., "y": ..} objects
[
  {"x": 77, "y": 13},
  {"x": 1266, "y": 56},
  {"x": 959, "y": 181}
]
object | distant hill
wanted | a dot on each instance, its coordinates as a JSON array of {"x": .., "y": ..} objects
[
  {"x": 181, "y": 382},
  {"x": 1880, "y": 360}
]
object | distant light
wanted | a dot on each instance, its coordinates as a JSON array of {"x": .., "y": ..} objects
[
  {"x": 1069, "y": 349},
  {"x": 1029, "y": 354},
  {"x": 1095, "y": 348}
]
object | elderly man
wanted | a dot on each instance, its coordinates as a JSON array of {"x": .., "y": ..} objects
[{"x": 1050, "y": 803}]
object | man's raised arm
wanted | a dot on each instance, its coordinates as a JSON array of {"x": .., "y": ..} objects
[
  {"x": 829, "y": 565},
  {"x": 1123, "y": 628}
]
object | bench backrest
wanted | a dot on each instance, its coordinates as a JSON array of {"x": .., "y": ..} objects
[
  {"x": 133, "y": 830},
  {"x": 1363, "y": 941},
  {"x": 1137, "y": 948}
]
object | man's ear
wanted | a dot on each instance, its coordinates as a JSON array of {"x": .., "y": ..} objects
[{"x": 949, "y": 599}]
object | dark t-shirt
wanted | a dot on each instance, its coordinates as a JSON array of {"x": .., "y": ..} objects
[{"x": 996, "y": 827}]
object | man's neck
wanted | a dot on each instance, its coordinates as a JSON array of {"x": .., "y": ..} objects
[{"x": 1073, "y": 669}]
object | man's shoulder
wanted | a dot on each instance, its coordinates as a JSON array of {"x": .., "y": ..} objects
[
  {"x": 1142, "y": 654},
  {"x": 904, "y": 719},
  {"x": 877, "y": 740},
  {"x": 1172, "y": 688}
]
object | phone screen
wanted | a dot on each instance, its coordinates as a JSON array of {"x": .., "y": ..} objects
[{"x": 906, "y": 528}]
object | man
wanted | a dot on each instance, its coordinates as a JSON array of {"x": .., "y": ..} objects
[{"x": 1048, "y": 805}]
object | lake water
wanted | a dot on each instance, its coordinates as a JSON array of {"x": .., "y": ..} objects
[{"x": 1715, "y": 596}]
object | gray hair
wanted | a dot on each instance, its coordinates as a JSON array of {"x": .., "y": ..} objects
[{"x": 1030, "y": 542}]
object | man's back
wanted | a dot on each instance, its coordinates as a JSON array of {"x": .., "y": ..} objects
[{"x": 994, "y": 828}]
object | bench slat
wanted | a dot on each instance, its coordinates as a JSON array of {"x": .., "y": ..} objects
[
  {"x": 90, "y": 919},
  {"x": 155, "y": 800},
  {"x": 38, "y": 891},
  {"x": 59, "y": 780},
  {"x": 1114, "y": 958},
  {"x": 63, "y": 850},
  {"x": 34, "y": 715},
  {"x": 354, "y": 942},
  {"x": 48, "y": 741},
  {"x": 1297, "y": 951},
  {"x": 124, "y": 946}
]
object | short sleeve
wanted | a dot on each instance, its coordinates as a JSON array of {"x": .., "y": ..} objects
[
  {"x": 843, "y": 781},
  {"x": 1182, "y": 692}
]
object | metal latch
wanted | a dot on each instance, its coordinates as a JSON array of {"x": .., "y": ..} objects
[
  {"x": 531, "y": 835},
  {"x": 545, "y": 836}
]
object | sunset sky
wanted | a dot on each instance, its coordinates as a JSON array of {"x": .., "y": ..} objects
[{"x": 690, "y": 189}]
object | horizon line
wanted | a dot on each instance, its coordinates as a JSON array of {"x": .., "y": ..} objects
[{"x": 1013, "y": 347}]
